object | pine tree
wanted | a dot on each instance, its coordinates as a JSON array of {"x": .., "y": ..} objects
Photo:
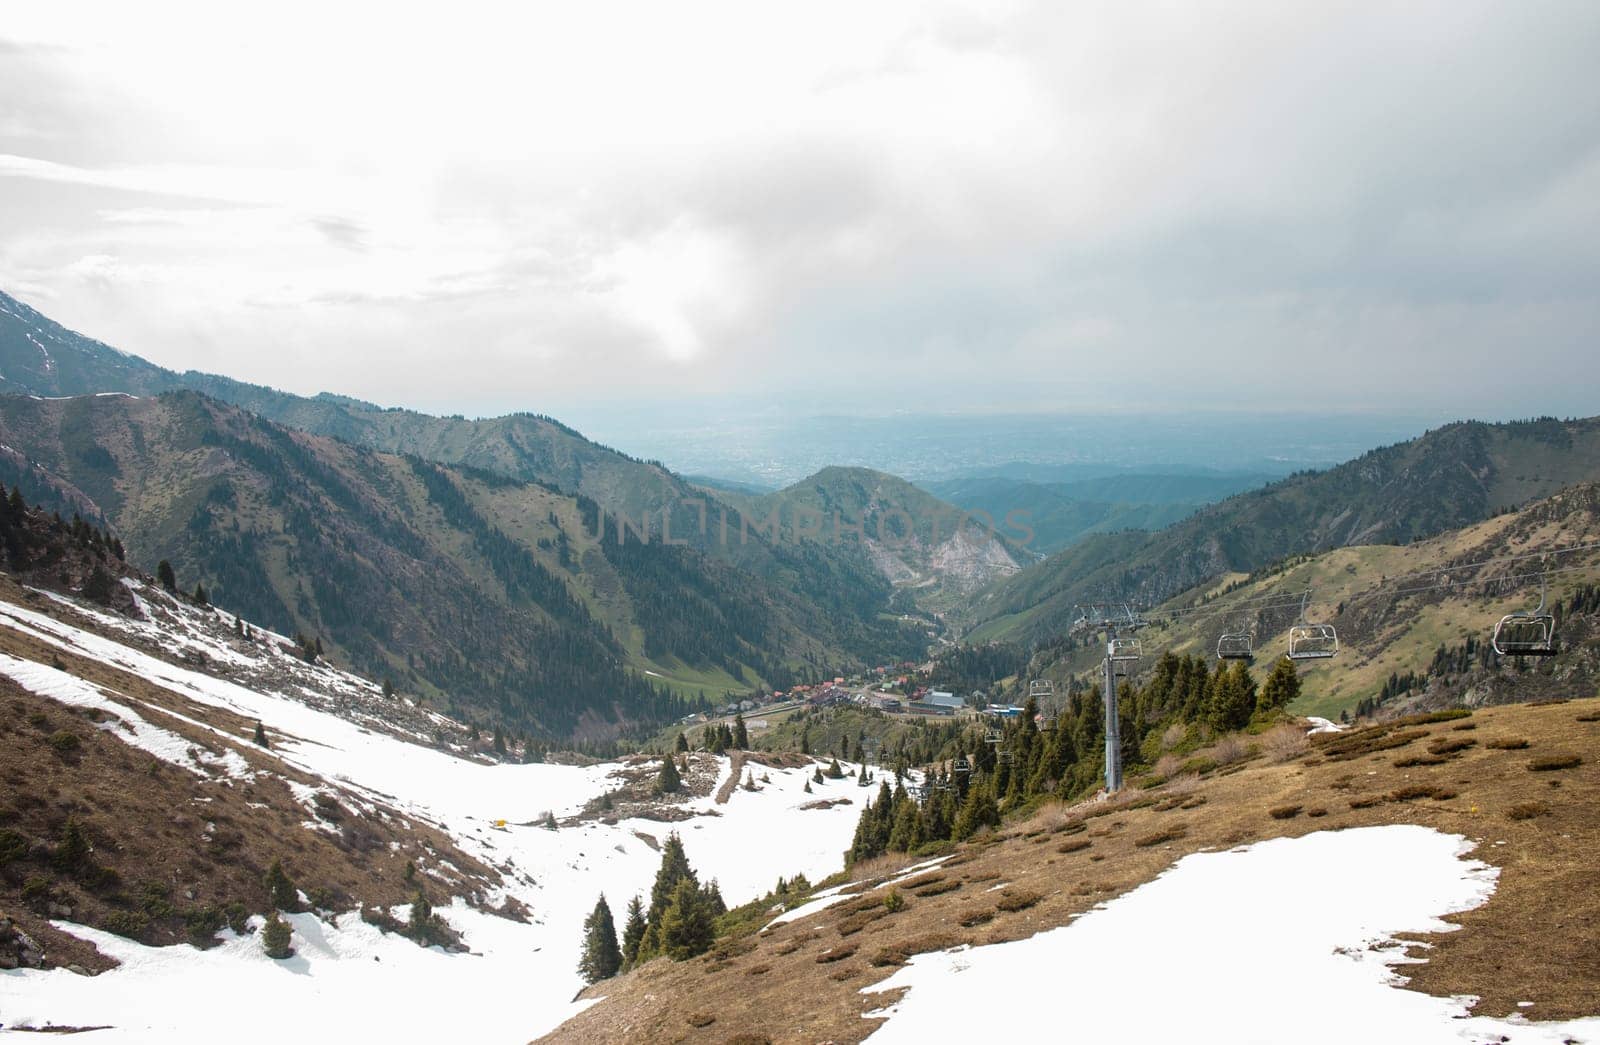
[
  {"x": 165, "y": 574},
  {"x": 668, "y": 781},
  {"x": 687, "y": 927},
  {"x": 388, "y": 688},
  {"x": 1282, "y": 687},
  {"x": 741, "y": 736},
  {"x": 421, "y": 924},
  {"x": 200, "y": 597},
  {"x": 72, "y": 855},
  {"x": 280, "y": 888},
  {"x": 602, "y": 958},
  {"x": 674, "y": 870},
  {"x": 682, "y": 743},
  {"x": 261, "y": 736},
  {"x": 275, "y": 937},
  {"x": 633, "y": 932}
]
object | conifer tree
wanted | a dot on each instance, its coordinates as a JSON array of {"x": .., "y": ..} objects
[
  {"x": 633, "y": 932},
  {"x": 673, "y": 870},
  {"x": 275, "y": 937},
  {"x": 200, "y": 597},
  {"x": 741, "y": 736},
  {"x": 668, "y": 781},
  {"x": 601, "y": 958},
  {"x": 687, "y": 923},
  {"x": 682, "y": 743},
  {"x": 261, "y": 736},
  {"x": 280, "y": 888},
  {"x": 1282, "y": 687},
  {"x": 165, "y": 574}
]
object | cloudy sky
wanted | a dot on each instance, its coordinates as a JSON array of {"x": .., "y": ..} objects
[{"x": 474, "y": 208}]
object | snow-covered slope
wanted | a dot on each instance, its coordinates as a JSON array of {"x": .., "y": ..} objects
[
  {"x": 1291, "y": 939},
  {"x": 518, "y": 980}
]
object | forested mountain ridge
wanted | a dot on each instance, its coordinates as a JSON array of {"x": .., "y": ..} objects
[
  {"x": 1447, "y": 478},
  {"x": 508, "y": 597}
]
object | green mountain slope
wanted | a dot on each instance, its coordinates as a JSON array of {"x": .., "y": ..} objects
[
  {"x": 1414, "y": 621},
  {"x": 910, "y": 537},
  {"x": 507, "y": 596},
  {"x": 1451, "y": 477}
]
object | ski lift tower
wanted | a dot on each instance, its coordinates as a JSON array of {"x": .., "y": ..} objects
[{"x": 1120, "y": 649}]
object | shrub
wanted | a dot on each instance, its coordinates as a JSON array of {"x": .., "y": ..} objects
[
  {"x": 1412, "y": 761},
  {"x": 1415, "y": 791},
  {"x": 65, "y": 743},
  {"x": 1013, "y": 900},
  {"x": 861, "y": 919},
  {"x": 132, "y": 924},
  {"x": 1365, "y": 802},
  {"x": 1076, "y": 845},
  {"x": 1450, "y": 747},
  {"x": 1167, "y": 834},
  {"x": 1285, "y": 812},
  {"x": 1508, "y": 744},
  {"x": 1283, "y": 742},
  {"x": 976, "y": 916},
  {"x": 1200, "y": 764},
  {"x": 1317, "y": 812},
  {"x": 939, "y": 888},
  {"x": 1228, "y": 750},
  {"x": 13, "y": 846},
  {"x": 700, "y": 1019},
  {"x": 1553, "y": 762},
  {"x": 893, "y": 902},
  {"x": 1526, "y": 810},
  {"x": 838, "y": 954}
]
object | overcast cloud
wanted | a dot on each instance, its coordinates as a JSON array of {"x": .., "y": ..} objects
[{"x": 475, "y": 208}]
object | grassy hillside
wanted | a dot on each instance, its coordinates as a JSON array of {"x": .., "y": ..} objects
[
  {"x": 1387, "y": 626},
  {"x": 506, "y": 595},
  {"x": 1449, "y": 478}
]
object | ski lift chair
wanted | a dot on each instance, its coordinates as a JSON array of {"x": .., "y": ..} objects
[
  {"x": 961, "y": 765},
  {"x": 993, "y": 736},
  {"x": 1123, "y": 649},
  {"x": 1006, "y": 758},
  {"x": 1235, "y": 645},
  {"x": 1309, "y": 640},
  {"x": 1041, "y": 689},
  {"x": 1526, "y": 634}
]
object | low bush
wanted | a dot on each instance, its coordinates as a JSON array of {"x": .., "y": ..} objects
[
  {"x": 976, "y": 916},
  {"x": 1167, "y": 834},
  {"x": 65, "y": 743},
  {"x": 938, "y": 888},
  {"x": 1549, "y": 763},
  {"x": 1076, "y": 845},
  {"x": 1508, "y": 744},
  {"x": 1526, "y": 810},
  {"x": 1284, "y": 812},
  {"x": 838, "y": 954},
  {"x": 1415, "y": 791},
  {"x": 1013, "y": 900},
  {"x": 1449, "y": 747}
]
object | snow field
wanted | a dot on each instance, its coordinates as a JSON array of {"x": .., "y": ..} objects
[
  {"x": 347, "y": 978},
  {"x": 1292, "y": 939}
]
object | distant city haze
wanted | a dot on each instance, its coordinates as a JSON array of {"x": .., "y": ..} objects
[{"x": 890, "y": 210}]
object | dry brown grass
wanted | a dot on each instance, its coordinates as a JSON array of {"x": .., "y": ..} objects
[{"x": 1532, "y": 941}]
